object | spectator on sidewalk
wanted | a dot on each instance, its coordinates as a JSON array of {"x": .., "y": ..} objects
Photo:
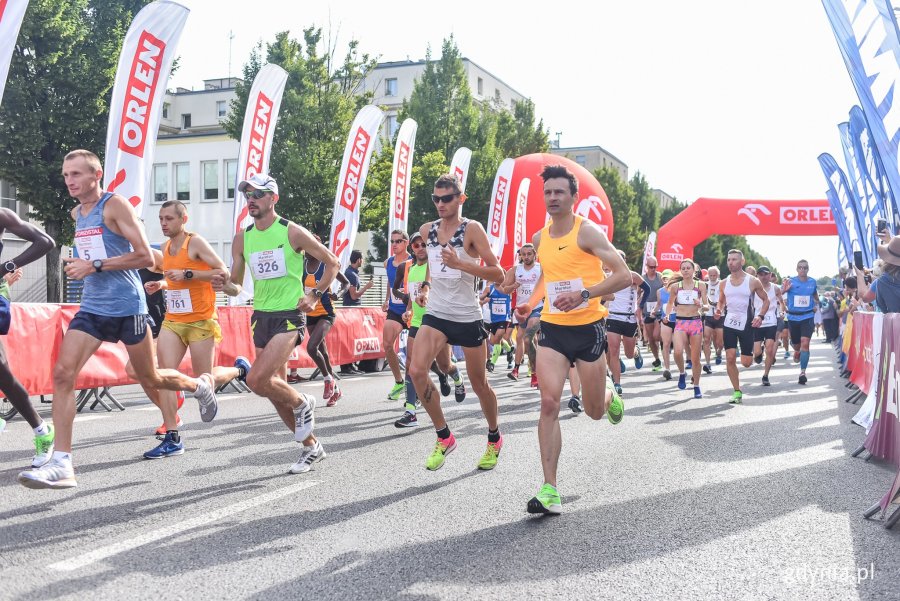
[{"x": 887, "y": 286}]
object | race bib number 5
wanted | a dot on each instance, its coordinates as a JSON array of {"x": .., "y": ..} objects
[
  {"x": 268, "y": 264},
  {"x": 89, "y": 244},
  {"x": 554, "y": 289}
]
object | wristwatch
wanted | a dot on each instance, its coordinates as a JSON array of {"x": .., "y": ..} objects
[
  {"x": 98, "y": 265},
  {"x": 317, "y": 292},
  {"x": 10, "y": 266},
  {"x": 585, "y": 295},
  {"x": 188, "y": 274}
]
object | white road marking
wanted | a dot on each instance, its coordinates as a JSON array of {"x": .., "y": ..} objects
[{"x": 157, "y": 534}]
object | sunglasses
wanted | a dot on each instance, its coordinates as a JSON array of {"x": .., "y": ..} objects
[
  {"x": 418, "y": 245},
  {"x": 398, "y": 241},
  {"x": 256, "y": 194},
  {"x": 445, "y": 198}
]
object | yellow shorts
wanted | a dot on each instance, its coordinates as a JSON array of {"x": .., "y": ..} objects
[{"x": 195, "y": 331}]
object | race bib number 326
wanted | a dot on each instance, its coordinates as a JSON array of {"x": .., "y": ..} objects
[{"x": 268, "y": 264}]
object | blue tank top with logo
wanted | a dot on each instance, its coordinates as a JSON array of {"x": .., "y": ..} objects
[
  {"x": 500, "y": 305},
  {"x": 394, "y": 304},
  {"x": 114, "y": 293},
  {"x": 664, "y": 295},
  {"x": 800, "y": 301}
]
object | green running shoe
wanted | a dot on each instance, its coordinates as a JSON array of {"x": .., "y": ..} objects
[
  {"x": 488, "y": 461},
  {"x": 43, "y": 448},
  {"x": 736, "y": 398},
  {"x": 396, "y": 391},
  {"x": 616, "y": 409},
  {"x": 546, "y": 502},
  {"x": 442, "y": 448}
]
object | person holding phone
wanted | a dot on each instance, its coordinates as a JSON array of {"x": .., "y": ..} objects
[{"x": 885, "y": 290}]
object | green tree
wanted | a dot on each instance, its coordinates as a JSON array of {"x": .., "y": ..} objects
[
  {"x": 647, "y": 206},
  {"x": 317, "y": 110},
  {"x": 57, "y": 99}
]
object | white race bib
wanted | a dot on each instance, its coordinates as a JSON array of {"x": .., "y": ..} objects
[
  {"x": 687, "y": 297},
  {"x": 801, "y": 302},
  {"x": 554, "y": 289},
  {"x": 769, "y": 319},
  {"x": 498, "y": 308},
  {"x": 179, "y": 301},
  {"x": 90, "y": 245},
  {"x": 437, "y": 267},
  {"x": 268, "y": 264},
  {"x": 412, "y": 289},
  {"x": 650, "y": 308},
  {"x": 736, "y": 321}
]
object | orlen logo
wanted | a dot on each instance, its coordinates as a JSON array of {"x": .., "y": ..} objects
[
  {"x": 677, "y": 255},
  {"x": 400, "y": 186},
  {"x": 256, "y": 153},
  {"x": 805, "y": 215},
  {"x": 749, "y": 211},
  {"x": 142, "y": 80},
  {"x": 521, "y": 203},
  {"x": 362, "y": 346},
  {"x": 591, "y": 207},
  {"x": 460, "y": 175},
  {"x": 349, "y": 197},
  {"x": 497, "y": 208}
]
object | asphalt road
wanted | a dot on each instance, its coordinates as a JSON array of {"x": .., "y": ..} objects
[{"x": 685, "y": 499}]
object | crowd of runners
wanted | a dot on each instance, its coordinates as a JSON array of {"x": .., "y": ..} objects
[{"x": 569, "y": 309}]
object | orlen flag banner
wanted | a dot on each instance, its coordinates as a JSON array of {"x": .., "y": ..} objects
[
  {"x": 496, "y": 230},
  {"x": 352, "y": 179},
  {"x": 866, "y": 33},
  {"x": 592, "y": 202},
  {"x": 260, "y": 118},
  {"x": 704, "y": 217},
  {"x": 520, "y": 235},
  {"x": 11, "y": 14},
  {"x": 401, "y": 176},
  {"x": 459, "y": 166},
  {"x": 649, "y": 251},
  {"x": 136, "y": 106}
]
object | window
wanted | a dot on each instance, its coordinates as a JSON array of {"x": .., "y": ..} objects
[
  {"x": 183, "y": 181},
  {"x": 7, "y": 196},
  {"x": 210, "y": 171},
  {"x": 497, "y": 95},
  {"x": 186, "y": 121},
  {"x": 160, "y": 182},
  {"x": 221, "y": 108},
  {"x": 390, "y": 87},
  {"x": 165, "y": 113},
  {"x": 230, "y": 178},
  {"x": 390, "y": 126},
  {"x": 480, "y": 87},
  {"x": 580, "y": 159}
]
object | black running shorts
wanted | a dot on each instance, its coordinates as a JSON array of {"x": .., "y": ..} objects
[{"x": 576, "y": 343}]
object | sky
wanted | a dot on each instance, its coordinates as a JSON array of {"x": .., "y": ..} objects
[{"x": 716, "y": 99}]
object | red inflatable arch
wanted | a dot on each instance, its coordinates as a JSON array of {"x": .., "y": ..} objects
[
  {"x": 707, "y": 216},
  {"x": 592, "y": 200}
]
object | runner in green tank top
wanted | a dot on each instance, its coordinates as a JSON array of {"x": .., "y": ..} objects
[
  {"x": 411, "y": 285},
  {"x": 272, "y": 248}
]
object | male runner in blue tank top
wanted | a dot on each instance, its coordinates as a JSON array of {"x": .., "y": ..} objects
[
  {"x": 111, "y": 246},
  {"x": 802, "y": 303}
]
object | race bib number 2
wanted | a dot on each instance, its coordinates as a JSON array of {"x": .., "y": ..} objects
[
  {"x": 268, "y": 264},
  {"x": 437, "y": 267}
]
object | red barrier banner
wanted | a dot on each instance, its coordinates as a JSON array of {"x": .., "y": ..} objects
[
  {"x": 862, "y": 350},
  {"x": 33, "y": 343}
]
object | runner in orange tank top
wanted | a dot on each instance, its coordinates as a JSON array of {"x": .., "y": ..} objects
[
  {"x": 572, "y": 252},
  {"x": 189, "y": 264}
]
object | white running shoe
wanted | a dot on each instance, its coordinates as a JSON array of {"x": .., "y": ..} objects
[
  {"x": 54, "y": 474},
  {"x": 305, "y": 417},
  {"x": 206, "y": 397},
  {"x": 308, "y": 456}
]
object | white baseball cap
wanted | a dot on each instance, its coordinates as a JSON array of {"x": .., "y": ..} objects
[{"x": 260, "y": 181}]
